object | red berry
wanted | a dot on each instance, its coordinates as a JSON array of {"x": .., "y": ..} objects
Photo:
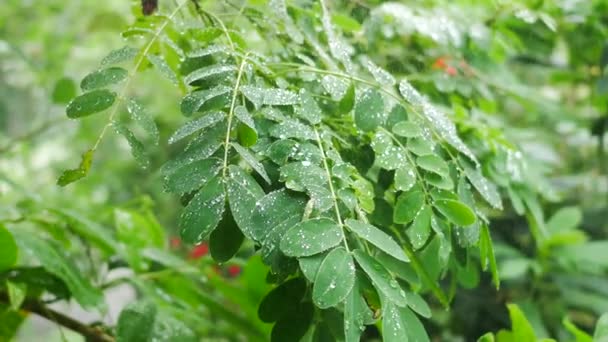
[
  {"x": 199, "y": 251},
  {"x": 440, "y": 63},
  {"x": 234, "y": 270},
  {"x": 175, "y": 242}
]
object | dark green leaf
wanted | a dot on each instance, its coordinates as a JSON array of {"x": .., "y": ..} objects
[
  {"x": 369, "y": 111},
  {"x": 90, "y": 103},
  {"x": 103, "y": 78},
  {"x": 335, "y": 279},
  {"x": 310, "y": 265},
  {"x": 455, "y": 211},
  {"x": 311, "y": 237},
  {"x": 252, "y": 161},
  {"x": 204, "y": 212},
  {"x": 356, "y": 314},
  {"x": 282, "y": 300},
  {"x": 377, "y": 238},
  {"x": 293, "y": 327},
  {"x": 420, "y": 229},
  {"x": 192, "y": 102},
  {"x": 226, "y": 239},
  {"x": 137, "y": 147},
  {"x": 191, "y": 176},
  {"x": 193, "y": 126}
]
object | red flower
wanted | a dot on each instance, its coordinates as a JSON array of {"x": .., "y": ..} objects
[
  {"x": 440, "y": 63},
  {"x": 450, "y": 70},
  {"x": 234, "y": 270},
  {"x": 199, "y": 251}
]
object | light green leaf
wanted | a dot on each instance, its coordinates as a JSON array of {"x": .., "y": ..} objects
[
  {"x": 211, "y": 71},
  {"x": 191, "y": 176},
  {"x": 103, "y": 78},
  {"x": 252, "y": 161},
  {"x": 369, "y": 111},
  {"x": 335, "y": 279},
  {"x": 486, "y": 189},
  {"x": 8, "y": 249},
  {"x": 63, "y": 91},
  {"x": 567, "y": 218},
  {"x": 141, "y": 116},
  {"x": 16, "y": 294},
  {"x": 377, "y": 238},
  {"x": 579, "y": 335},
  {"x": 383, "y": 281},
  {"x": 522, "y": 330},
  {"x": 243, "y": 115},
  {"x": 203, "y": 213},
  {"x": 243, "y": 193},
  {"x": 292, "y": 129},
  {"x": 96, "y": 234},
  {"x": 418, "y": 304},
  {"x": 407, "y": 129},
  {"x": 335, "y": 86},
  {"x": 193, "y": 126},
  {"x": 415, "y": 329},
  {"x": 420, "y": 230},
  {"x": 405, "y": 178},
  {"x": 433, "y": 163},
  {"x": 136, "y": 322},
  {"x": 408, "y": 205},
  {"x": 90, "y": 103},
  {"x": 269, "y": 96},
  {"x": 167, "y": 328},
  {"x": 393, "y": 327},
  {"x": 455, "y": 211},
  {"x": 309, "y": 109},
  {"x": 486, "y": 254},
  {"x": 380, "y": 75},
  {"x": 137, "y": 147},
  {"x": 311, "y": 237},
  {"x": 120, "y": 55},
  {"x": 192, "y": 102},
  {"x": 201, "y": 147},
  {"x": 420, "y": 146},
  {"x": 164, "y": 68},
  {"x": 601, "y": 329},
  {"x": 399, "y": 268},
  {"x": 387, "y": 155},
  {"x": 59, "y": 265},
  {"x": 273, "y": 215}
]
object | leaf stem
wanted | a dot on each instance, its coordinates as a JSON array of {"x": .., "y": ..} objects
[
  {"x": 231, "y": 114},
  {"x": 331, "y": 187}
]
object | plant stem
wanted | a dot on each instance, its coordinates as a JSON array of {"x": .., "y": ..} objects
[{"x": 90, "y": 333}]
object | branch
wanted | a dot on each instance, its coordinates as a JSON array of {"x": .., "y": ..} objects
[{"x": 90, "y": 333}]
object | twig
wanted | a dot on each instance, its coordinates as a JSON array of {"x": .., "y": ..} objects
[{"x": 90, "y": 333}]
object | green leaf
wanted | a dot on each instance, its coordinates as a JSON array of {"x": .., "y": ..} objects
[
  {"x": 347, "y": 102},
  {"x": 399, "y": 268},
  {"x": 191, "y": 176},
  {"x": 243, "y": 193},
  {"x": 338, "y": 88},
  {"x": 90, "y": 103},
  {"x": 282, "y": 300},
  {"x": 381, "y": 278},
  {"x": 311, "y": 237},
  {"x": 455, "y": 211},
  {"x": 269, "y": 96},
  {"x": 8, "y": 249},
  {"x": 136, "y": 322},
  {"x": 161, "y": 65},
  {"x": 393, "y": 328},
  {"x": 167, "y": 328},
  {"x": 63, "y": 91},
  {"x": 486, "y": 189},
  {"x": 420, "y": 230},
  {"x": 212, "y": 71},
  {"x": 273, "y": 215},
  {"x": 310, "y": 265},
  {"x": 120, "y": 55},
  {"x": 565, "y": 219},
  {"x": 293, "y": 327},
  {"x": 433, "y": 163},
  {"x": 420, "y": 146},
  {"x": 137, "y": 147},
  {"x": 369, "y": 111},
  {"x": 103, "y": 78},
  {"x": 241, "y": 113},
  {"x": 408, "y": 205},
  {"x": 579, "y": 335},
  {"x": 192, "y": 102},
  {"x": 418, "y": 304},
  {"x": 335, "y": 279},
  {"x": 309, "y": 109},
  {"x": 601, "y": 329},
  {"x": 59, "y": 265},
  {"x": 209, "y": 119},
  {"x": 415, "y": 329},
  {"x": 486, "y": 254},
  {"x": 204, "y": 212},
  {"x": 407, "y": 129},
  {"x": 252, "y": 161},
  {"x": 143, "y": 119},
  {"x": 405, "y": 177},
  {"x": 522, "y": 330},
  {"x": 16, "y": 294},
  {"x": 292, "y": 129},
  {"x": 377, "y": 238},
  {"x": 94, "y": 233},
  {"x": 356, "y": 314},
  {"x": 380, "y": 75},
  {"x": 387, "y": 155},
  {"x": 225, "y": 241}
]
